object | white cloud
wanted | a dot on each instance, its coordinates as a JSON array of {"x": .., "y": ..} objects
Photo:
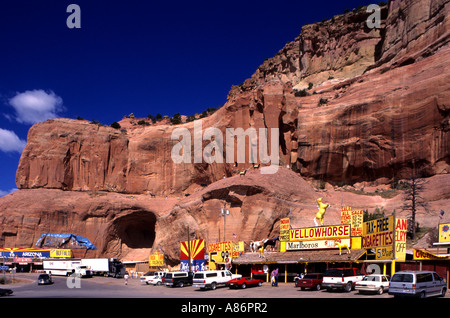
[
  {"x": 3, "y": 193},
  {"x": 10, "y": 142},
  {"x": 36, "y": 106}
]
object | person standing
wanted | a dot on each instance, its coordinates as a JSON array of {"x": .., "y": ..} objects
[
  {"x": 274, "y": 278},
  {"x": 275, "y": 274},
  {"x": 126, "y": 278}
]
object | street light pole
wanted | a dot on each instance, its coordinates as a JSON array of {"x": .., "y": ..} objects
[
  {"x": 3, "y": 256},
  {"x": 224, "y": 213},
  {"x": 189, "y": 249}
]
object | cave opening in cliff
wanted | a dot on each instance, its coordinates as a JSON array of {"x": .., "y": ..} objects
[{"x": 136, "y": 230}]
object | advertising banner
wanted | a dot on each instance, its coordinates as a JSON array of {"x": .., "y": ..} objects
[
  {"x": 331, "y": 232},
  {"x": 25, "y": 252},
  {"x": 424, "y": 255},
  {"x": 196, "y": 265},
  {"x": 156, "y": 260},
  {"x": 379, "y": 235},
  {"x": 444, "y": 232},
  {"x": 197, "y": 251},
  {"x": 224, "y": 252},
  {"x": 401, "y": 228},
  {"x": 354, "y": 218},
  {"x": 284, "y": 230},
  {"x": 66, "y": 253}
]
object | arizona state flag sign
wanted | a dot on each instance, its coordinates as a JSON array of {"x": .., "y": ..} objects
[{"x": 197, "y": 250}]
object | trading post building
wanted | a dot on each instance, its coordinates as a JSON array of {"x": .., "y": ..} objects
[{"x": 373, "y": 246}]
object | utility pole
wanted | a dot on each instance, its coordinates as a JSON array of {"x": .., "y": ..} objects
[
  {"x": 189, "y": 248},
  {"x": 224, "y": 213}
]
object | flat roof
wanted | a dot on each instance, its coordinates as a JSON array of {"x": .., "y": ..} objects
[{"x": 293, "y": 257}]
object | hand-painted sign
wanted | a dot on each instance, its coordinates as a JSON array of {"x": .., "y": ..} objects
[{"x": 320, "y": 233}]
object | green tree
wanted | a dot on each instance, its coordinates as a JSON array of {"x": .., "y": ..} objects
[{"x": 115, "y": 125}]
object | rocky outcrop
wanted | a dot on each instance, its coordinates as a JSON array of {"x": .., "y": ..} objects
[{"x": 127, "y": 226}]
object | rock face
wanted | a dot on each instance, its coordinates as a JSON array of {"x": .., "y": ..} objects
[{"x": 352, "y": 104}]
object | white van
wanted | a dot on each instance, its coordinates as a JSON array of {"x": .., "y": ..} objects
[
  {"x": 417, "y": 283},
  {"x": 212, "y": 279}
]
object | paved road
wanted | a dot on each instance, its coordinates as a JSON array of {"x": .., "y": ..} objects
[{"x": 107, "y": 287}]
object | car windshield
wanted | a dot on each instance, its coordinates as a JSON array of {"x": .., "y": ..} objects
[
  {"x": 310, "y": 276},
  {"x": 372, "y": 278},
  {"x": 43, "y": 276},
  {"x": 334, "y": 273},
  {"x": 402, "y": 278},
  {"x": 198, "y": 275}
]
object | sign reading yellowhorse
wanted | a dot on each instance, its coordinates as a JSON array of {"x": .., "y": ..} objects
[{"x": 331, "y": 232}]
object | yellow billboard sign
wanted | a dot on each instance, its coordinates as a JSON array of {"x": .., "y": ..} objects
[
  {"x": 424, "y": 254},
  {"x": 354, "y": 218},
  {"x": 401, "y": 228},
  {"x": 320, "y": 233},
  {"x": 284, "y": 229},
  {"x": 444, "y": 232},
  {"x": 223, "y": 252},
  {"x": 380, "y": 235},
  {"x": 64, "y": 253}
]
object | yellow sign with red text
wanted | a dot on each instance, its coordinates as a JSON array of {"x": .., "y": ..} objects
[
  {"x": 156, "y": 260},
  {"x": 354, "y": 218},
  {"x": 380, "y": 235},
  {"x": 320, "y": 233},
  {"x": 223, "y": 252}
]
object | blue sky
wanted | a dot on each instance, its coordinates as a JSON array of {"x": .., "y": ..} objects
[{"x": 141, "y": 57}]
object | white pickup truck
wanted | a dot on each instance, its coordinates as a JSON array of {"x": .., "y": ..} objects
[
  {"x": 212, "y": 279},
  {"x": 341, "y": 278}
]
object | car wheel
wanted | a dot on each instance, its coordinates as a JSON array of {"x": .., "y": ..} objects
[
  {"x": 422, "y": 295},
  {"x": 213, "y": 286},
  {"x": 380, "y": 291},
  {"x": 244, "y": 286},
  {"x": 181, "y": 284},
  {"x": 444, "y": 290},
  {"x": 260, "y": 284},
  {"x": 348, "y": 287}
]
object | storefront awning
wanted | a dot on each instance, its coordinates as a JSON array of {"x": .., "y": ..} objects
[{"x": 300, "y": 257}]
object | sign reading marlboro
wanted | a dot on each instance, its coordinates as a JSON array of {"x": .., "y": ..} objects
[{"x": 318, "y": 244}]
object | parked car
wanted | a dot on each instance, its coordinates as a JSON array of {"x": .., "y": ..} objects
[
  {"x": 212, "y": 279},
  {"x": 417, "y": 283},
  {"x": 157, "y": 279},
  {"x": 153, "y": 278},
  {"x": 244, "y": 282},
  {"x": 5, "y": 292},
  {"x": 312, "y": 281},
  {"x": 376, "y": 283},
  {"x": 44, "y": 279},
  {"x": 180, "y": 279},
  {"x": 341, "y": 278}
]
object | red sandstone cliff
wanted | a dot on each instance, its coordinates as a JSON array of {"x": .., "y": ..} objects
[{"x": 377, "y": 109}]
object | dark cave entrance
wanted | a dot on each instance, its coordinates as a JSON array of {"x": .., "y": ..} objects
[{"x": 136, "y": 230}]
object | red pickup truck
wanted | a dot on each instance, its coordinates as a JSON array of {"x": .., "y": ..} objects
[{"x": 312, "y": 281}]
